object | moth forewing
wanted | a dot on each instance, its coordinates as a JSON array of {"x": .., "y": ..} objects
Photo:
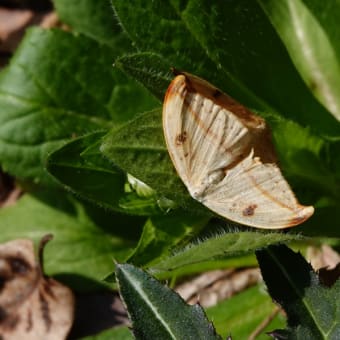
[{"x": 224, "y": 155}]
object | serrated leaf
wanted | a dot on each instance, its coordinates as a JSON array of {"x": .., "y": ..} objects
[
  {"x": 46, "y": 98},
  {"x": 157, "y": 312},
  {"x": 85, "y": 240},
  {"x": 220, "y": 247},
  {"x": 305, "y": 35},
  {"x": 313, "y": 310}
]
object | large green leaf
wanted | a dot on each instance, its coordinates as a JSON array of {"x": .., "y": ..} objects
[
  {"x": 85, "y": 242},
  {"x": 157, "y": 312},
  {"x": 46, "y": 98},
  {"x": 307, "y": 31},
  {"x": 231, "y": 44},
  {"x": 313, "y": 310}
]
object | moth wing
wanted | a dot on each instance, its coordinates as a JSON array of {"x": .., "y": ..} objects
[
  {"x": 202, "y": 137},
  {"x": 257, "y": 195}
]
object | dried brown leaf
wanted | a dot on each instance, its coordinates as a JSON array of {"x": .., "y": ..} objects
[{"x": 32, "y": 306}]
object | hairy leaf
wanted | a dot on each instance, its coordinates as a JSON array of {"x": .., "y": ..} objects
[
  {"x": 157, "y": 312},
  {"x": 220, "y": 247},
  {"x": 160, "y": 233}
]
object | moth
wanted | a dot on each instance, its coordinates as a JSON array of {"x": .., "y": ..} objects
[
  {"x": 32, "y": 306},
  {"x": 224, "y": 155}
]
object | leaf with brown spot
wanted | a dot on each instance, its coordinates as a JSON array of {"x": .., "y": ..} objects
[{"x": 32, "y": 306}]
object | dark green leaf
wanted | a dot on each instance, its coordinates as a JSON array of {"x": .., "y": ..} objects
[
  {"x": 81, "y": 168},
  {"x": 139, "y": 148},
  {"x": 231, "y": 44},
  {"x": 157, "y": 312},
  {"x": 46, "y": 98},
  {"x": 313, "y": 310},
  {"x": 150, "y": 69},
  {"x": 90, "y": 176}
]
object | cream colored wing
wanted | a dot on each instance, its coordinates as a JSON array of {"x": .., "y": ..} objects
[
  {"x": 256, "y": 194},
  {"x": 202, "y": 138},
  {"x": 212, "y": 141}
]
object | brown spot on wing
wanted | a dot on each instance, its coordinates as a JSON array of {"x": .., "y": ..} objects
[
  {"x": 217, "y": 93},
  {"x": 181, "y": 138},
  {"x": 250, "y": 210}
]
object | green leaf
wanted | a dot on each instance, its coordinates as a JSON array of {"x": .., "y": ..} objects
[
  {"x": 219, "y": 247},
  {"x": 240, "y": 315},
  {"x": 138, "y": 148},
  {"x": 86, "y": 240},
  {"x": 46, "y": 98},
  {"x": 81, "y": 168},
  {"x": 89, "y": 175},
  {"x": 304, "y": 161},
  {"x": 305, "y": 34},
  {"x": 96, "y": 20},
  {"x": 157, "y": 312},
  {"x": 161, "y": 233},
  {"x": 150, "y": 69},
  {"x": 231, "y": 44},
  {"x": 313, "y": 310}
]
